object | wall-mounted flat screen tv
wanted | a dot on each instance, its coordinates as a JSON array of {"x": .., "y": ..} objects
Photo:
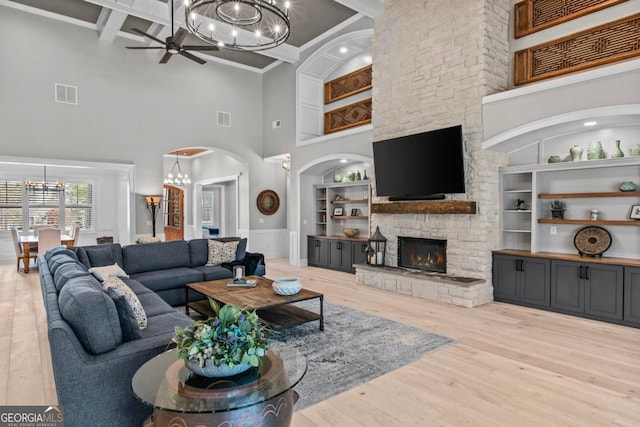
[{"x": 427, "y": 165}]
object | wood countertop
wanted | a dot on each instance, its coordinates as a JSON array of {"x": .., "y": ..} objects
[{"x": 629, "y": 262}]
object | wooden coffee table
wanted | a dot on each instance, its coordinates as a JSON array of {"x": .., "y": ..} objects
[{"x": 276, "y": 310}]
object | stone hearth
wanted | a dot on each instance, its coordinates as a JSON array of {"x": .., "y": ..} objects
[{"x": 462, "y": 291}]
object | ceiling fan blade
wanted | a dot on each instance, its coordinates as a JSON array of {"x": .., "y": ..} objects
[
  {"x": 192, "y": 57},
  {"x": 145, "y": 47},
  {"x": 180, "y": 35},
  {"x": 165, "y": 58},
  {"x": 202, "y": 48},
  {"x": 142, "y": 33}
]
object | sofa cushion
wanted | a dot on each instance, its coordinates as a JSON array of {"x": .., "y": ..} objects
[
  {"x": 154, "y": 305},
  {"x": 214, "y": 272},
  {"x": 122, "y": 290},
  {"x": 58, "y": 260},
  {"x": 221, "y": 252},
  {"x": 128, "y": 321},
  {"x": 155, "y": 256},
  {"x": 59, "y": 250},
  {"x": 100, "y": 256},
  {"x": 91, "y": 313},
  {"x": 136, "y": 286},
  {"x": 101, "y": 273},
  {"x": 168, "y": 279},
  {"x": 68, "y": 271}
]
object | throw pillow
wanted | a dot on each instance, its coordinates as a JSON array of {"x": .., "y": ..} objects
[
  {"x": 221, "y": 252},
  {"x": 58, "y": 260},
  {"x": 103, "y": 273},
  {"x": 59, "y": 250},
  {"x": 122, "y": 290},
  {"x": 128, "y": 321}
]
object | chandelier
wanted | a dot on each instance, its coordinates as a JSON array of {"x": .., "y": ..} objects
[
  {"x": 44, "y": 185},
  {"x": 248, "y": 25},
  {"x": 178, "y": 178}
]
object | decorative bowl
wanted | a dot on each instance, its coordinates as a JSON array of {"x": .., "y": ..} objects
[
  {"x": 350, "y": 232},
  {"x": 286, "y": 286}
]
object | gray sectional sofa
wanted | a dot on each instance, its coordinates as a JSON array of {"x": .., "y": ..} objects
[{"x": 94, "y": 350}]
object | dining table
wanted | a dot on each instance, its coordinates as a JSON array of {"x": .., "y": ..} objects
[{"x": 30, "y": 241}]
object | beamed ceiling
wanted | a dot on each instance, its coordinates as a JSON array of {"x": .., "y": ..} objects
[{"x": 310, "y": 19}]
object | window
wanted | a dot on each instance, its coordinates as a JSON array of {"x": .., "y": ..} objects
[
  {"x": 44, "y": 208},
  {"x": 79, "y": 205},
  {"x": 207, "y": 207},
  {"x": 24, "y": 209},
  {"x": 10, "y": 204}
]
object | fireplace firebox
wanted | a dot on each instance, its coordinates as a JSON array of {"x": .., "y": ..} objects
[{"x": 422, "y": 254}]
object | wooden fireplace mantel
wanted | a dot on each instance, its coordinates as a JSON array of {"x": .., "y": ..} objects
[{"x": 426, "y": 207}]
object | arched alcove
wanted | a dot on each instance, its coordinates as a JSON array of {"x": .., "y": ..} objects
[{"x": 324, "y": 64}]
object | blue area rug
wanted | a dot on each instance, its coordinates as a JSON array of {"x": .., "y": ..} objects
[{"x": 354, "y": 348}]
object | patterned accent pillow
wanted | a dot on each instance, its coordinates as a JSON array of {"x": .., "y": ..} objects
[
  {"x": 102, "y": 273},
  {"x": 221, "y": 252},
  {"x": 122, "y": 290}
]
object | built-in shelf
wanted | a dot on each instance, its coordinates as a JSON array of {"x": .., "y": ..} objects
[
  {"x": 346, "y": 202},
  {"x": 425, "y": 207},
  {"x": 625, "y": 222},
  {"x": 517, "y": 191},
  {"x": 349, "y": 217},
  {"x": 585, "y": 195},
  {"x": 517, "y": 231},
  {"x": 518, "y": 210}
]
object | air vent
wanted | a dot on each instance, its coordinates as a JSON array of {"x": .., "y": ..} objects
[
  {"x": 66, "y": 94},
  {"x": 224, "y": 119}
]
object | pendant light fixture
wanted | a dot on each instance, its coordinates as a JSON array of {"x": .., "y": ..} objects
[
  {"x": 44, "y": 185},
  {"x": 176, "y": 177},
  {"x": 248, "y": 25}
]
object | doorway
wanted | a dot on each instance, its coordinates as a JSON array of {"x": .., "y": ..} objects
[{"x": 216, "y": 206}]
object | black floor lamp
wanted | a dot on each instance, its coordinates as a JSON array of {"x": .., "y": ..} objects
[{"x": 153, "y": 203}]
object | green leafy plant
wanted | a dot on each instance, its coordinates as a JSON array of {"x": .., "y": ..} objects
[
  {"x": 231, "y": 336},
  {"x": 558, "y": 205}
]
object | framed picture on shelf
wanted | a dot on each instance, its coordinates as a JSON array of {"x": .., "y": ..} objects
[
  {"x": 355, "y": 212},
  {"x": 338, "y": 211},
  {"x": 635, "y": 212}
]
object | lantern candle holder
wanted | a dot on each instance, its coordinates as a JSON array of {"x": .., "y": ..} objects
[{"x": 377, "y": 250}]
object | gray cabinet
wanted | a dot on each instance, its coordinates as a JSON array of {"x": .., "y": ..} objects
[
  {"x": 317, "y": 251},
  {"x": 358, "y": 253},
  {"x": 522, "y": 280},
  {"x": 340, "y": 255},
  {"x": 587, "y": 288},
  {"x": 632, "y": 295},
  {"x": 336, "y": 254}
]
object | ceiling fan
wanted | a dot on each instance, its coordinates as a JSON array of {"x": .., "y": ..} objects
[{"x": 173, "y": 44}]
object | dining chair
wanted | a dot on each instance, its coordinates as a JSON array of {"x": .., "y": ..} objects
[
  {"x": 16, "y": 245},
  {"x": 48, "y": 238},
  {"x": 37, "y": 228},
  {"x": 74, "y": 232}
]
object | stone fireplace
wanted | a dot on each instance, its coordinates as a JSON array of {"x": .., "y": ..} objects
[
  {"x": 432, "y": 84},
  {"x": 422, "y": 254}
]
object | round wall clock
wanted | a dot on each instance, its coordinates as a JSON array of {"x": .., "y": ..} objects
[
  {"x": 268, "y": 202},
  {"x": 592, "y": 241}
]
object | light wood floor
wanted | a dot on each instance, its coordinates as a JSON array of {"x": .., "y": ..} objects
[{"x": 511, "y": 366}]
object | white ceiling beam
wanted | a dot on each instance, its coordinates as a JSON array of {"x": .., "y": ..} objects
[
  {"x": 370, "y": 8},
  {"x": 109, "y": 23}
]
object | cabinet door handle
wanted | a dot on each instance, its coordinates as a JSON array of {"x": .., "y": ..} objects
[
  {"x": 581, "y": 272},
  {"x": 363, "y": 248},
  {"x": 586, "y": 272},
  {"x": 317, "y": 243},
  {"x": 518, "y": 265},
  {"x": 522, "y": 265},
  {"x": 339, "y": 246}
]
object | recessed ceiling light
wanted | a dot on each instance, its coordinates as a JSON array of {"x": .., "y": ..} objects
[
  {"x": 343, "y": 160},
  {"x": 590, "y": 123},
  {"x": 368, "y": 59},
  {"x": 343, "y": 49}
]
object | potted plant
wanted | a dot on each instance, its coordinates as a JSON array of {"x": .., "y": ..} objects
[
  {"x": 557, "y": 209},
  {"x": 228, "y": 343}
]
